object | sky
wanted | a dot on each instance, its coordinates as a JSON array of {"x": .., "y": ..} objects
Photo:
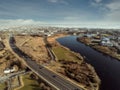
[{"x": 83, "y": 13}]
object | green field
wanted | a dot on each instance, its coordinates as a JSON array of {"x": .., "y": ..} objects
[
  {"x": 29, "y": 84},
  {"x": 2, "y": 86},
  {"x": 63, "y": 54}
]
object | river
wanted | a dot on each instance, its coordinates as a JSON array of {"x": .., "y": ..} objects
[{"x": 107, "y": 68}]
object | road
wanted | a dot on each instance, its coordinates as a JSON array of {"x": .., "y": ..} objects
[
  {"x": 9, "y": 84},
  {"x": 50, "y": 77},
  {"x": 51, "y": 54},
  {"x": 7, "y": 77}
]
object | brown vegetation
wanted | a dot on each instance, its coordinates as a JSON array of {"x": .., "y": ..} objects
[
  {"x": 81, "y": 73},
  {"x": 107, "y": 50},
  {"x": 7, "y": 58},
  {"x": 34, "y": 47},
  {"x": 86, "y": 40},
  {"x": 52, "y": 39}
]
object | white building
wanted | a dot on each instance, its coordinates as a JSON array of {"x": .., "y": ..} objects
[
  {"x": 9, "y": 70},
  {"x": 106, "y": 42},
  {"x": 0, "y": 39}
]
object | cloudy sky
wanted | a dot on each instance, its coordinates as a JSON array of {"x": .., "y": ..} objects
[{"x": 92, "y": 13}]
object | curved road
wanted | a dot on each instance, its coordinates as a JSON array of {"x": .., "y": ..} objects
[{"x": 50, "y": 77}]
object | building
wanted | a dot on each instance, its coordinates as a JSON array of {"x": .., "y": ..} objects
[
  {"x": 9, "y": 70},
  {"x": 88, "y": 35},
  {"x": 106, "y": 42}
]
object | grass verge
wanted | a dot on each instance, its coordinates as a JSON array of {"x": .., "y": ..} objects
[
  {"x": 63, "y": 54},
  {"x": 29, "y": 84},
  {"x": 2, "y": 86}
]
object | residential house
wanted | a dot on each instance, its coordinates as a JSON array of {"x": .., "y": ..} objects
[
  {"x": 9, "y": 70},
  {"x": 106, "y": 42}
]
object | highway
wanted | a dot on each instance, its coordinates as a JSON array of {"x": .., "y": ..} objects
[{"x": 50, "y": 77}]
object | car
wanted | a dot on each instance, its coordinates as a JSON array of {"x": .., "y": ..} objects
[
  {"x": 40, "y": 67},
  {"x": 54, "y": 76},
  {"x": 76, "y": 89}
]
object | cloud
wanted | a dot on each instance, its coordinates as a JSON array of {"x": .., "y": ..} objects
[
  {"x": 53, "y": 1},
  {"x": 9, "y": 23},
  {"x": 110, "y": 11},
  {"x": 58, "y": 1},
  {"x": 19, "y": 22},
  {"x": 98, "y": 1},
  {"x": 113, "y": 13},
  {"x": 71, "y": 18},
  {"x": 113, "y": 6}
]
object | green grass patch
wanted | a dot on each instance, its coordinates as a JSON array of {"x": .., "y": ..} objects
[
  {"x": 2, "y": 86},
  {"x": 30, "y": 84},
  {"x": 60, "y": 53},
  {"x": 63, "y": 54}
]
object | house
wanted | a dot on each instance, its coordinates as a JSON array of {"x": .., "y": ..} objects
[
  {"x": 106, "y": 42},
  {"x": 9, "y": 70},
  {"x": 118, "y": 38},
  {"x": 88, "y": 35},
  {"x": 74, "y": 33},
  {"x": 0, "y": 39}
]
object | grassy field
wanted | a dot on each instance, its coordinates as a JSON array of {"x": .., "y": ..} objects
[
  {"x": 63, "y": 54},
  {"x": 2, "y": 86},
  {"x": 30, "y": 84}
]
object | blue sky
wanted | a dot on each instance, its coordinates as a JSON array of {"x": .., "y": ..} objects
[{"x": 76, "y": 12}]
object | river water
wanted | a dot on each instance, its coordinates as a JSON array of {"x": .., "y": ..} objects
[{"x": 107, "y": 68}]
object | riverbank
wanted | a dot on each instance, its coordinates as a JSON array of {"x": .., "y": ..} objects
[
  {"x": 106, "y": 67},
  {"x": 111, "y": 51},
  {"x": 72, "y": 65}
]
